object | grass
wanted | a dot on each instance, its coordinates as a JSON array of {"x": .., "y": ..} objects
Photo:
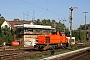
[
  {"x": 38, "y": 57},
  {"x": 46, "y": 55},
  {"x": 49, "y": 54}
]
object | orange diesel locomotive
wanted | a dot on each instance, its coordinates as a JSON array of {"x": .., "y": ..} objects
[{"x": 49, "y": 41}]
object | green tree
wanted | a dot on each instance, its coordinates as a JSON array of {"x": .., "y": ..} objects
[
  {"x": 38, "y": 22},
  {"x": 53, "y": 23},
  {"x": 58, "y": 25},
  {"x": 46, "y": 22},
  {"x": 0, "y": 31},
  {"x": 67, "y": 32},
  {"x": 7, "y": 35},
  {"x": 16, "y": 19},
  {"x": 2, "y": 19}
]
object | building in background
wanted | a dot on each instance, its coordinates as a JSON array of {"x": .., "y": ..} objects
[
  {"x": 72, "y": 41},
  {"x": 5, "y": 24},
  {"x": 27, "y": 33}
]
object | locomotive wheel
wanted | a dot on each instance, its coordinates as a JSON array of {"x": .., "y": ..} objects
[
  {"x": 45, "y": 48},
  {"x": 35, "y": 47},
  {"x": 67, "y": 44}
]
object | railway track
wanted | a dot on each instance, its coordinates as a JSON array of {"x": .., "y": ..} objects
[
  {"x": 21, "y": 53},
  {"x": 83, "y": 55}
]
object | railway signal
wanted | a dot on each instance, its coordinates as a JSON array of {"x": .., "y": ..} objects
[{"x": 71, "y": 9}]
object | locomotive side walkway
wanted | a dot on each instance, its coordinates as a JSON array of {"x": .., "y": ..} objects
[{"x": 65, "y": 54}]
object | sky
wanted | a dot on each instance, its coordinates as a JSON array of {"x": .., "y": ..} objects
[{"x": 47, "y": 9}]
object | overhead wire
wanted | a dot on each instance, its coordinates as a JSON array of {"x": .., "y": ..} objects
[
  {"x": 10, "y": 14},
  {"x": 42, "y": 8},
  {"x": 65, "y": 6},
  {"x": 47, "y": 4},
  {"x": 60, "y": 2}
]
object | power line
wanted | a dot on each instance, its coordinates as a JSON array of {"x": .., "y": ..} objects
[
  {"x": 60, "y": 2},
  {"x": 66, "y": 6},
  {"x": 47, "y": 4},
  {"x": 42, "y": 8}
]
